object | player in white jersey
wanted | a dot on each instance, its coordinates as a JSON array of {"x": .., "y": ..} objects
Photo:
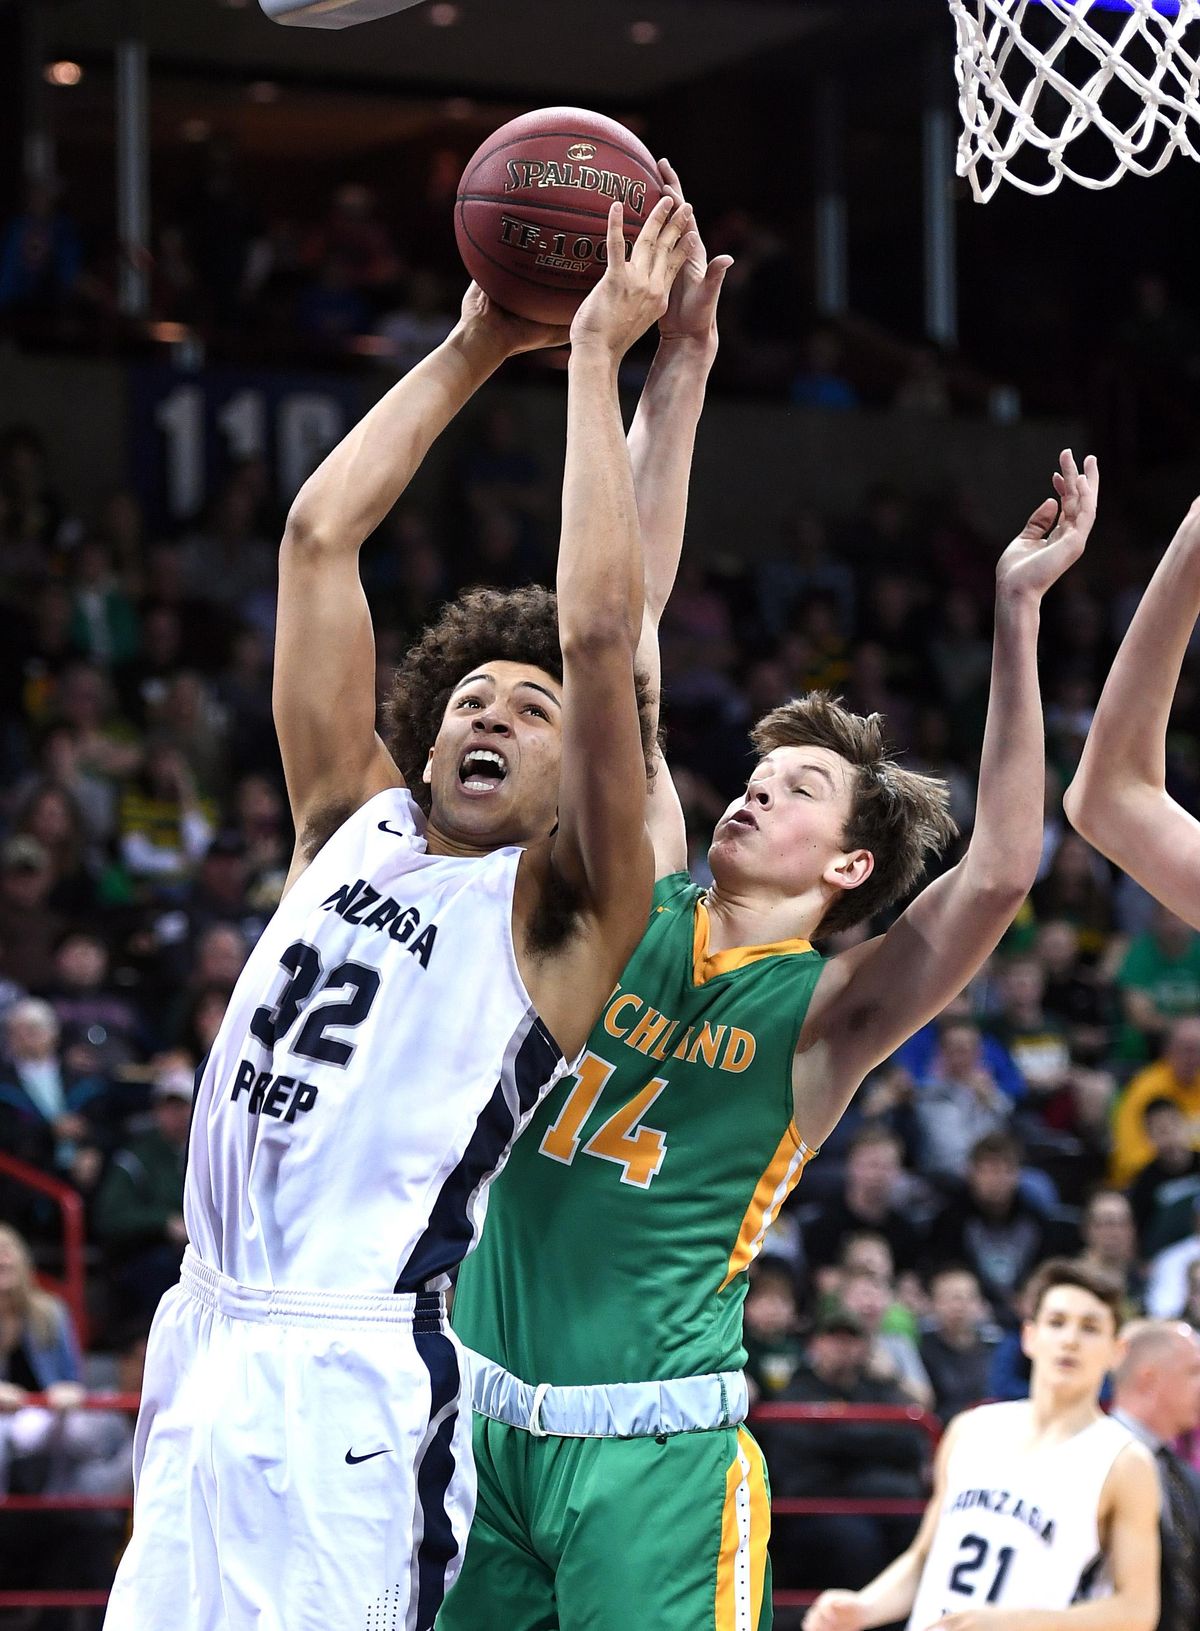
[
  {"x": 301, "y": 1463},
  {"x": 1044, "y": 1514}
]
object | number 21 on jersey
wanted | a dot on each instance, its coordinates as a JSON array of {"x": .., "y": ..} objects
[{"x": 638, "y": 1151}]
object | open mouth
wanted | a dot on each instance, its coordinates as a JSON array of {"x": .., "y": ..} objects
[
  {"x": 743, "y": 818},
  {"x": 481, "y": 771}
]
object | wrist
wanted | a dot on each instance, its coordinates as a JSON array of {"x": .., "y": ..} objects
[
  {"x": 1018, "y": 603},
  {"x": 690, "y": 350},
  {"x": 594, "y": 353},
  {"x": 479, "y": 343}
]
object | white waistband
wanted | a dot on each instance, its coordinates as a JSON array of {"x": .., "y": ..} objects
[
  {"x": 216, "y": 1290},
  {"x": 688, "y": 1404}
]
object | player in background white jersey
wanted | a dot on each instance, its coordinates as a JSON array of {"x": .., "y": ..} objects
[
  {"x": 1118, "y": 800},
  {"x": 300, "y": 1461},
  {"x": 1044, "y": 1513}
]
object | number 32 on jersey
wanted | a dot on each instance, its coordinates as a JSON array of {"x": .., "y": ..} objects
[{"x": 639, "y": 1151}]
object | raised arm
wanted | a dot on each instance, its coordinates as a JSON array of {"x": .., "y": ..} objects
[
  {"x": 662, "y": 440},
  {"x": 324, "y": 686},
  {"x": 871, "y": 998},
  {"x": 601, "y": 832},
  {"x": 1118, "y": 800}
]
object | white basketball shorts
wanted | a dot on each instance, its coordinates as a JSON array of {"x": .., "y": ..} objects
[{"x": 301, "y": 1463}]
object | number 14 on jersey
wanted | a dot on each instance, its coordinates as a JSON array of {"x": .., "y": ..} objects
[{"x": 638, "y": 1151}]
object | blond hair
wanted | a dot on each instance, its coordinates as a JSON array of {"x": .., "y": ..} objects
[
  {"x": 38, "y": 1312},
  {"x": 899, "y": 816}
]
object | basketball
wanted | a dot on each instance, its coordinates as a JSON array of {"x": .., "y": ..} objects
[{"x": 533, "y": 204}]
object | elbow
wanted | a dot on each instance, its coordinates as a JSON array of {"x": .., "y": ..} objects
[
  {"x": 1077, "y": 806},
  {"x": 304, "y": 537},
  {"x": 603, "y": 633},
  {"x": 1000, "y": 885}
]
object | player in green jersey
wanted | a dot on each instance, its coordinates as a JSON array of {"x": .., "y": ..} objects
[{"x": 618, "y": 1486}]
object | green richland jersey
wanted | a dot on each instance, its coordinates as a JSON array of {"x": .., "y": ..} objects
[{"x": 618, "y": 1235}]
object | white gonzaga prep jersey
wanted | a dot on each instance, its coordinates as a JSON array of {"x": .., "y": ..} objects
[
  {"x": 1017, "y": 1528},
  {"x": 378, "y": 1057}
]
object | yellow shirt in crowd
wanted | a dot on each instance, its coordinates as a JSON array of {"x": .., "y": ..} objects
[{"x": 1131, "y": 1149}]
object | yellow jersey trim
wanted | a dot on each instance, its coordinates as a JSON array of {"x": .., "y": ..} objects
[
  {"x": 783, "y": 1173},
  {"x": 707, "y": 965},
  {"x": 745, "y": 1530}
]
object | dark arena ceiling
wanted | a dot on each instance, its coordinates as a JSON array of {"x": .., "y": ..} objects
[{"x": 521, "y": 48}]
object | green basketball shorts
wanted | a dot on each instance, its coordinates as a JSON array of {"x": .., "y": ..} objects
[{"x": 615, "y": 1534}]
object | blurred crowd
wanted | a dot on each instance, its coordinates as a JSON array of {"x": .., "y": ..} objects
[
  {"x": 331, "y": 275},
  {"x": 144, "y": 839}
]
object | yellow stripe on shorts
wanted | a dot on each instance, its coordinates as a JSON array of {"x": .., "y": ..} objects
[
  {"x": 782, "y": 1175},
  {"x": 745, "y": 1530}
]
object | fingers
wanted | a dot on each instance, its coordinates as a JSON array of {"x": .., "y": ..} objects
[
  {"x": 671, "y": 247},
  {"x": 1041, "y": 520},
  {"x": 652, "y": 227},
  {"x": 616, "y": 232}
]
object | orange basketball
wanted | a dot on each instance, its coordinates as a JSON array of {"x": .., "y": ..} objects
[{"x": 533, "y": 203}]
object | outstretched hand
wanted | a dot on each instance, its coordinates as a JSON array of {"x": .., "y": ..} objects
[
  {"x": 1047, "y": 546},
  {"x": 514, "y": 334},
  {"x": 836, "y": 1611},
  {"x": 634, "y": 293},
  {"x": 692, "y": 308}
]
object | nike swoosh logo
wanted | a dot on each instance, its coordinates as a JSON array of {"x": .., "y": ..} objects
[
  {"x": 353, "y": 1460},
  {"x": 393, "y": 832}
]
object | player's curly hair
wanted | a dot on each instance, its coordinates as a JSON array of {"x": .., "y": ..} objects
[
  {"x": 482, "y": 625},
  {"x": 900, "y": 816}
]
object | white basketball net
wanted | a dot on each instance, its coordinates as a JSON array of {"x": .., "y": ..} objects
[{"x": 1041, "y": 82}]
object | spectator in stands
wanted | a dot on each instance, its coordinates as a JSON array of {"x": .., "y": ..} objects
[
  {"x": 138, "y": 1213},
  {"x": 229, "y": 563},
  {"x": 892, "y": 1356},
  {"x": 1075, "y": 995},
  {"x": 1159, "y": 982},
  {"x": 1176, "y": 1076},
  {"x": 29, "y": 926},
  {"x": 165, "y": 827},
  {"x": 105, "y": 743},
  {"x": 101, "y": 1028},
  {"x": 957, "y": 1348},
  {"x": 957, "y": 1102},
  {"x": 104, "y": 624},
  {"x": 1157, "y": 1398},
  {"x": 869, "y": 1201},
  {"x": 1168, "y": 1291},
  {"x": 771, "y": 1329},
  {"x": 1162, "y": 1193},
  {"x": 1076, "y": 889},
  {"x": 262, "y": 823},
  {"x": 991, "y": 1227},
  {"x": 202, "y": 1020},
  {"x": 39, "y": 1351},
  {"x": 419, "y": 325},
  {"x": 29, "y": 505},
  {"x": 865, "y": 1459},
  {"x": 1058, "y": 1091},
  {"x": 50, "y": 1116},
  {"x": 1110, "y": 1244},
  {"x": 243, "y": 691},
  {"x": 49, "y": 813},
  {"x": 209, "y": 963},
  {"x": 1191, "y": 1308}
]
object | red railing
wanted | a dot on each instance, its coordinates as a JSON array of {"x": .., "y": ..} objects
[
  {"x": 799, "y": 1506},
  {"x": 71, "y": 1288},
  {"x": 781, "y": 1506}
]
